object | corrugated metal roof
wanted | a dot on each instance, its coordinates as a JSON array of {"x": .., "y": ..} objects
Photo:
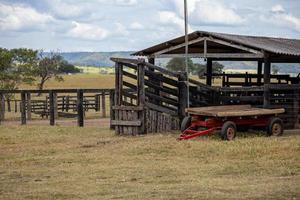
[{"x": 273, "y": 45}]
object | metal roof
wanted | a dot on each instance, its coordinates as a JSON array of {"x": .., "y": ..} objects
[{"x": 279, "y": 46}]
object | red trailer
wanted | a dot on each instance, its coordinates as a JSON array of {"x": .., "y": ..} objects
[{"x": 205, "y": 120}]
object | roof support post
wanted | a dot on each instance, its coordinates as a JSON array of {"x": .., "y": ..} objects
[
  {"x": 259, "y": 71},
  {"x": 267, "y": 69},
  {"x": 208, "y": 72}
]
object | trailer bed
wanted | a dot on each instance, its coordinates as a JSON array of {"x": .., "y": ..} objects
[{"x": 233, "y": 111}]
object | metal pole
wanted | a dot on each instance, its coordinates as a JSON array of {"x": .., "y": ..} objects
[{"x": 186, "y": 50}]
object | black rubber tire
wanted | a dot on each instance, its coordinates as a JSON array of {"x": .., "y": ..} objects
[
  {"x": 275, "y": 127},
  {"x": 186, "y": 122},
  {"x": 227, "y": 134}
]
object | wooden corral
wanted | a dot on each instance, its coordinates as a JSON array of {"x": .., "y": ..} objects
[
  {"x": 67, "y": 103},
  {"x": 166, "y": 92}
]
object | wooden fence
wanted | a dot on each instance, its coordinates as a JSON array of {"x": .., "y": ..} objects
[
  {"x": 57, "y": 103},
  {"x": 155, "y": 98}
]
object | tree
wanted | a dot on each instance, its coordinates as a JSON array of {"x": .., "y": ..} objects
[
  {"x": 16, "y": 67},
  {"x": 178, "y": 64},
  {"x": 48, "y": 68},
  {"x": 217, "y": 68},
  {"x": 275, "y": 69},
  {"x": 66, "y": 67}
]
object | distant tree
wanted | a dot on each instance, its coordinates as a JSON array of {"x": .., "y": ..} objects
[
  {"x": 47, "y": 68},
  {"x": 178, "y": 64},
  {"x": 275, "y": 69},
  {"x": 66, "y": 67},
  {"x": 216, "y": 67},
  {"x": 16, "y": 67}
]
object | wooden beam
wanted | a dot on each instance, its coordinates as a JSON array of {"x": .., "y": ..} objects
[
  {"x": 176, "y": 47},
  {"x": 241, "y": 56},
  {"x": 237, "y": 46}
]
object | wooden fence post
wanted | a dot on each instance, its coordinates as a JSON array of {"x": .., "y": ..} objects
[
  {"x": 28, "y": 96},
  {"x": 55, "y": 104},
  {"x": 80, "y": 112},
  {"x": 97, "y": 104},
  {"x": 8, "y": 104},
  {"x": 141, "y": 95},
  {"x": 103, "y": 104},
  {"x": 183, "y": 92},
  {"x": 111, "y": 104},
  {"x": 2, "y": 108},
  {"x": 296, "y": 107},
  {"x": 267, "y": 94},
  {"x": 23, "y": 107},
  {"x": 52, "y": 108},
  {"x": 16, "y": 106}
]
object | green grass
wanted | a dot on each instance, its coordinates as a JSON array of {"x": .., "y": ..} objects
[{"x": 38, "y": 162}]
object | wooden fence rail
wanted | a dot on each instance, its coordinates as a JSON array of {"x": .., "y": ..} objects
[{"x": 57, "y": 103}]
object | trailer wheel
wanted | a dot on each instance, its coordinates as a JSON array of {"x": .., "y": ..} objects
[
  {"x": 228, "y": 131},
  {"x": 275, "y": 127},
  {"x": 186, "y": 122}
]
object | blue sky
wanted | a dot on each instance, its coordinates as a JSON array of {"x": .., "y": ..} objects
[{"x": 119, "y": 25}]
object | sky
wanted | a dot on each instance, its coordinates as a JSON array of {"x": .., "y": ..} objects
[{"x": 122, "y": 25}]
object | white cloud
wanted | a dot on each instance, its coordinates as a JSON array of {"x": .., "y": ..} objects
[
  {"x": 171, "y": 19},
  {"x": 125, "y": 2},
  {"x": 120, "y": 30},
  {"x": 278, "y": 16},
  {"x": 136, "y": 26},
  {"x": 66, "y": 10},
  {"x": 207, "y": 12},
  {"x": 277, "y": 8},
  {"x": 215, "y": 13},
  {"x": 19, "y": 17},
  {"x": 88, "y": 31}
]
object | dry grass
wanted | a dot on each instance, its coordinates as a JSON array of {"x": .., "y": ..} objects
[{"x": 91, "y": 163}]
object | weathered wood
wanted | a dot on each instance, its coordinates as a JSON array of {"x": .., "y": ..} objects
[
  {"x": 52, "y": 108},
  {"x": 209, "y": 72},
  {"x": 80, "y": 110},
  {"x": 111, "y": 104},
  {"x": 161, "y": 109},
  {"x": 141, "y": 96},
  {"x": 23, "y": 108},
  {"x": 128, "y": 108},
  {"x": 266, "y": 96},
  {"x": 296, "y": 107},
  {"x": 267, "y": 69},
  {"x": 28, "y": 96},
  {"x": 126, "y": 123},
  {"x": 183, "y": 95},
  {"x": 103, "y": 105},
  {"x": 2, "y": 107},
  {"x": 8, "y": 101},
  {"x": 229, "y": 111}
]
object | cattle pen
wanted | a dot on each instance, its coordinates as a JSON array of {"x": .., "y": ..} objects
[{"x": 160, "y": 95}]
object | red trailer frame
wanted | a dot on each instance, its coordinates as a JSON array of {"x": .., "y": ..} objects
[{"x": 208, "y": 124}]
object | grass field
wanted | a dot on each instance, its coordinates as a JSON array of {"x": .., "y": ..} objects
[{"x": 91, "y": 163}]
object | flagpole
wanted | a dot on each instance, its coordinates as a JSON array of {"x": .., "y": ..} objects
[{"x": 186, "y": 50}]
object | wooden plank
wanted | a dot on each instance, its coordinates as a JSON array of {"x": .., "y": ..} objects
[
  {"x": 130, "y": 85},
  {"x": 233, "y": 111},
  {"x": 160, "y": 109},
  {"x": 133, "y": 108},
  {"x": 162, "y": 99},
  {"x": 51, "y": 110},
  {"x": 126, "y": 123},
  {"x": 164, "y": 79}
]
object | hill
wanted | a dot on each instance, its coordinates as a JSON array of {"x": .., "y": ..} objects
[{"x": 102, "y": 59}]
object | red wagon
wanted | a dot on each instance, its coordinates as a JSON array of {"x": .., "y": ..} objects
[{"x": 205, "y": 120}]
